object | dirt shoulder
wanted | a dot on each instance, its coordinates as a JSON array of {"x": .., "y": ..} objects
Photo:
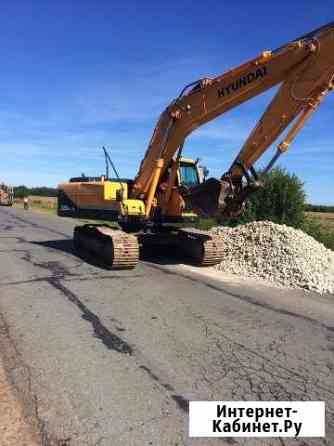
[{"x": 14, "y": 430}]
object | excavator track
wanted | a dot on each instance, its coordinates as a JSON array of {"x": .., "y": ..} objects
[
  {"x": 202, "y": 247},
  {"x": 116, "y": 249}
]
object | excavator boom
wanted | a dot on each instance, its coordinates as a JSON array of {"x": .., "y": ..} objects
[{"x": 304, "y": 69}]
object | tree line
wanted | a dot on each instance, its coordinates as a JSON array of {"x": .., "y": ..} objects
[
  {"x": 24, "y": 191},
  {"x": 319, "y": 208}
]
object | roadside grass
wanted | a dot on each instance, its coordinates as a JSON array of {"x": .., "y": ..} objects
[
  {"x": 320, "y": 225},
  {"x": 36, "y": 203},
  {"x": 49, "y": 205},
  {"x": 326, "y": 219}
]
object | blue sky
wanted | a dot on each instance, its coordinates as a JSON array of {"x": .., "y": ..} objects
[{"x": 76, "y": 75}]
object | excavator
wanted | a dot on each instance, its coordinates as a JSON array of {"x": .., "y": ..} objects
[{"x": 168, "y": 188}]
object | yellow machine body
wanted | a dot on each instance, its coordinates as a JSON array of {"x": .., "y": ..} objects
[
  {"x": 101, "y": 198},
  {"x": 112, "y": 190},
  {"x": 98, "y": 198},
  {"x": 132, "y": 207}
]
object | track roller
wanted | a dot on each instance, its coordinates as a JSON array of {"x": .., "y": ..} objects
[{"x": 202, "y": 247}]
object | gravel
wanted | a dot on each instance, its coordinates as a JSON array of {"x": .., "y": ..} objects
[{"x": 282, "y": 255}]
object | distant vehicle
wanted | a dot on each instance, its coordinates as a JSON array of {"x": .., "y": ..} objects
[{"x": 6, "y": 195}]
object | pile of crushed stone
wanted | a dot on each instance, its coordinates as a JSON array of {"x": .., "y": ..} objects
[{"x": 279, "y": 254}]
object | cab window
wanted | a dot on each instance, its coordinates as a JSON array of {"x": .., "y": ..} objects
[{"x": 188, "y": 175}]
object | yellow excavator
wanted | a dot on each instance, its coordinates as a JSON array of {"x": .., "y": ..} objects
[{"x": 168, "y": 188}]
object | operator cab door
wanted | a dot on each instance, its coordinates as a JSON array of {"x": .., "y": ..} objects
[{"x": 188, "y": 174}]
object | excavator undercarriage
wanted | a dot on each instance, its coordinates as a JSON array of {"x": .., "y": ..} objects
[{"x": 117, "y": 249}]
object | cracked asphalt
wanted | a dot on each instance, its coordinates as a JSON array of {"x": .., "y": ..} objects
[{"x": 112, "y": 358}]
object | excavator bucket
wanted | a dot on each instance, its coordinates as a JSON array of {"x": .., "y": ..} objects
[
  {"x": 221, "y": 199},
  {"x": 208, "y": 198}
]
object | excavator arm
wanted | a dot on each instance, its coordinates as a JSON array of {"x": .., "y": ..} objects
[{"x": 304, "y": 69}]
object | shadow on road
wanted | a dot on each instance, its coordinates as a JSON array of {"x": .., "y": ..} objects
[
  {"x": 160, "y": 256},
  {"x": 67, "y": 246}
]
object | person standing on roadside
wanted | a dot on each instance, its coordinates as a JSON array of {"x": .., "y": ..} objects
[{"x": 26, "y": 203}]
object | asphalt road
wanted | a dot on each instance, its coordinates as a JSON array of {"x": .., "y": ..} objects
[{"x": 112, "y": 358}]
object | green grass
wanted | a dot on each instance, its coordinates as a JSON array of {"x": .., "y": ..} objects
[
  {"x": 325, "y": 219},
  {"x": 320, "y": 225},
  {"x": 37, "y": 208}
]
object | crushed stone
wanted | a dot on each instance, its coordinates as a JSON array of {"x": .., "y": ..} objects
[{"x": 279, "y": 254}]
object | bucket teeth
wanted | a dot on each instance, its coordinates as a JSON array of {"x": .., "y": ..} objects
[{"x": 116, "y": 249}]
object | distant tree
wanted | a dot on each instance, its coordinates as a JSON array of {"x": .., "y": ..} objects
[
  {"x": 44, "y": 191},
  {"x": 319, "y": 208},
  {"x": 23, "y": 191},
  {"x": 282, "y": 200}
]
